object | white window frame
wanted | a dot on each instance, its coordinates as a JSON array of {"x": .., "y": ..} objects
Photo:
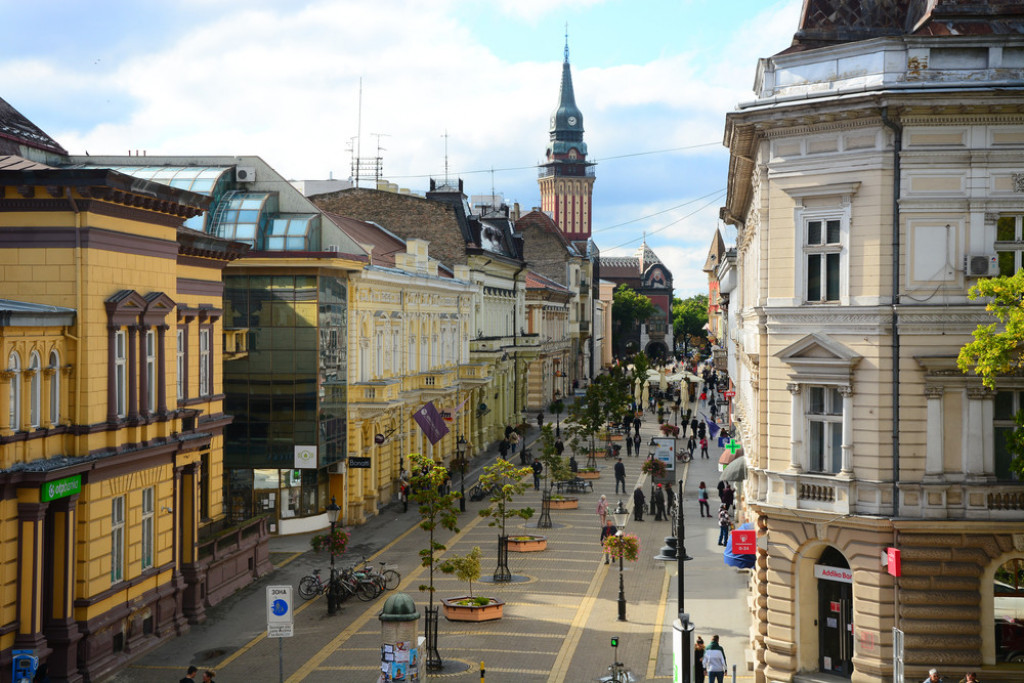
[
  {"x": 55, "y": 388},
  {"x": 35, "y": 390},
  {"x": 116, "y": 539},
  {"x": 180, "y": 354},
  {"x": 14, "y": 367},
  {"x": 204, "y": 361},
  {"x": 821, "y": 250},
  {"x": 832, "y": 451},
  {"x": 1014, "y": 246},
  {"x": 151, "y": 369},
  {"x": 839, "y": 196},
  {"x": 121, "y": 372},
  {"x": 1001, "y": 426},
  {"x": 148, "y": 497}
]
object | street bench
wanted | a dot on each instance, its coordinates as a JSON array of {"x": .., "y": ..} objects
[{"x": 576, "y": 485}]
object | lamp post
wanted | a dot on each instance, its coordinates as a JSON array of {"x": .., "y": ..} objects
[
  {"x": 332, "y": 588},
  {"x": 460, "y": 454},
  {"x": 675, "y": 549},
  {"x": 621, "y": 515}
]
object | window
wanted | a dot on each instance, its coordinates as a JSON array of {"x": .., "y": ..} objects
[
  {"x": 1008, "y": 609},
  {"x": 1007, "y": 405},
  {"x": 823, "y": 249},
  {"x": 14, "y": 366},
  {"x": 396, "y": 353},
  {"x": 117, "y": 540},
  {"x": 410, "y": 358},
  {"x": 181, "y": 365},
  {"x": 55, "y": 388},
  {"x": 204, "y": 361},
  {"x": 1010, "y": 244},
  {"x": 151, "y": 369},
  {"x": 824, "y": 429},
  {"x": 380, "y": 354},
  {"x": 121, "y": 372},
  {"x": 35, "y": 390},
  {"x": 147, "y": 528}
]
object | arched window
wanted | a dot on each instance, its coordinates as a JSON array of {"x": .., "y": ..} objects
[
  {"x": 55, "y": 388},
  {"x": 35, "y": 390},
  {"x": 14, "y": 366}
]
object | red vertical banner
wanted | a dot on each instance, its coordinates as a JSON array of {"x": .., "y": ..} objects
[{"x": 892, "y": 564}]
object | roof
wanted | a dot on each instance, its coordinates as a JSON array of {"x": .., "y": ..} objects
[
  {"x": 542, "y": 222},
  {"x": 16, "y": 130},
  {"x": 13, "y": 162},
  {"x": 24, "y": 314},
  {"x": 715, "y": 253},
  {"x": 535, "y": 280},
  {"x": 384, "y": 243}
]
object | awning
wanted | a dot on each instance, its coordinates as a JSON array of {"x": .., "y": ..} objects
[
  {"x": 735, "y": 471},
  {"x": 728, "y": 456}
]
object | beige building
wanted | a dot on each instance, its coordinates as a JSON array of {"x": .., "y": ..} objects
[
  {"x": 878, "y": 174},
  {"x": 547, "y": 355}
]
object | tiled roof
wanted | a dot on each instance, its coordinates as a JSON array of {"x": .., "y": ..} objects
[
  {"x": 385, "y": 245},
  {"x": 16, "y": 130},
  {"x": 538, "y": 281},
  {"x": 13, "y": 162}
]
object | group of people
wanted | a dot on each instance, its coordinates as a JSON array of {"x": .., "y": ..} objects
[
  {"x": 190, "y": 677},
  {"x": 709, "y": 661},
  {"x": 934, "y": 677}
]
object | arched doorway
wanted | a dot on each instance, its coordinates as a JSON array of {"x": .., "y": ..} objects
[
  {"x": 657, "y": 351},
  {"x": 835, "y": 613}
]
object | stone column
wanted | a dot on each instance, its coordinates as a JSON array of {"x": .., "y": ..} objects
[
  {"x": 132, "y": 371},
  {"x": 847, "y": 446},
  {"x": 934, "y": 446},
  {"x": 27, "y": 377},
  {"x": 46, "y": 417},
  {"x": 796, "y": 412},
  {"x": 974, "y": 453},
  {"x": 6, "y": 377}
]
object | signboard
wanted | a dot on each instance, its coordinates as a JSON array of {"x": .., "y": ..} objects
[
  {"x": 280, "y": 615},
  {"x": 744, "y": 542},
  {"x": 663, "y": 448},
  {"x": 61, "y": 488},
  {"x": 359, "y": 463},
  {"x": 305, "y": 457},
  {"x": 840, "y": 574},
  {"x": 892, "y": 564},
  {"x": 728, "y": 394}
]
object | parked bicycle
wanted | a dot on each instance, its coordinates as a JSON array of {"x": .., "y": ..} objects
[
  {"x": 386, "y": 579},
  {"x": 348, "y": 583}
]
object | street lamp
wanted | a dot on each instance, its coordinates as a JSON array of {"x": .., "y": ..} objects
[
  {"x": 675, "y": 549},
  {"x": 621, "y": 515},
  {"x": 460, "y": 454},
  {"x": 332, "y": 588}
]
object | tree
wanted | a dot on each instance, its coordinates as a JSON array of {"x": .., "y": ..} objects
[
  {"x": 998, "y": 348},
  {"x": 436, "y": 509},
  {"x": 689, "y": 316},
  {"x": 629, "y": 310},
  {"x": 507, "y": 482}
]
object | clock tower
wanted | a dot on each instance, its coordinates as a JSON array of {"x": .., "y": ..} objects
[{"x": 566, "y": 177}]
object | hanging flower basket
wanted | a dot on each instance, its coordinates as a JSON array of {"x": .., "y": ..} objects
[
  {"x": 670, "y": 430},
  {"x": 653, "y": 467},
  {"x": 335, "y": 544},
  {"x": 627, "y": 546}
]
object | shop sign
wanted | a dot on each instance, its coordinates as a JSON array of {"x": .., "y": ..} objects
[
  {"x": 305, "y": 457},
  {"x": 61, "y": 488},
  {"x": 892, "y": 564},
  {"x": 744, "y": 542},
  {"x": 840, "y": 574},
  {"x": 359, "y": 463}
]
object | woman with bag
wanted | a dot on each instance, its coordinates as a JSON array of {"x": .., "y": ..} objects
[{"x": 702, "y": 498}]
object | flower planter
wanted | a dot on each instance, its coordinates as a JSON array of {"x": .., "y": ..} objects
[
  {"x": 588, "y": 475},
  {"x": 527, "y": 544},
  {"x": 453, "y": 611},
  {"x": 565, "y": 503},
  {"x": 599, "y": 454}
]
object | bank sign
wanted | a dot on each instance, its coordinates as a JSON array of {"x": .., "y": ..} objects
[{"x": 62, "y": 488}]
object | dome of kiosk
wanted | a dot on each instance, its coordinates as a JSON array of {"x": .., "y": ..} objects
[{"x": 399, "y": 607}]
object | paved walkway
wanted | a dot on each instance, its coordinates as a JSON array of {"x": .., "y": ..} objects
[{"x": 558, "y": 621}]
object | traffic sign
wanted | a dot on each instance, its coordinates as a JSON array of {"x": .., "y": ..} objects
[
  {"x": 729, "y": 394},
  {"x": 280, "y": 615}
]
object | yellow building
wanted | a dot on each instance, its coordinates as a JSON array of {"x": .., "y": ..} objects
[{"x": 111, "y": 416}]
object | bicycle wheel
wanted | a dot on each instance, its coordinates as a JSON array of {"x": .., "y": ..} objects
[
  {"x": 308, "y": 587},
  {"x": 391, "y": 579},
  {"x": 367, "y": 590}
]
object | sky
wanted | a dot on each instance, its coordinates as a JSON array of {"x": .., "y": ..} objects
[{"x": 428, "y": 85}]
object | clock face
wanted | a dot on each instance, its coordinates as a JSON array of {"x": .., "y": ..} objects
[{"x": 572, "y": 120}]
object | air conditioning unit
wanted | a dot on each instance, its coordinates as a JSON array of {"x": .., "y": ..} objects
[
  {"x": 982, "y": 265},
  {"x": 339, "y": 467},
  {"x": 245, "y": 174}
]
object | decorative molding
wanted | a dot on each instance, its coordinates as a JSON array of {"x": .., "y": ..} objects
[
  {"x": 1018, "y": 183},
  {"x": 933, "y": 391},
  {"x": 793, "y": 388}
]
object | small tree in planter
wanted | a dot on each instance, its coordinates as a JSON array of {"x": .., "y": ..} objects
[
  {"x": 509, "y": 481},
  {"x": 468, "y": 608},
  {"x": 436, "y": 510},
  {"x": 670, "y": 430}
]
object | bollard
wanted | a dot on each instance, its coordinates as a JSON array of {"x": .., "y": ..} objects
[
  {"x": 483, "y": 674},
  {"x": 733, "y": 673}
]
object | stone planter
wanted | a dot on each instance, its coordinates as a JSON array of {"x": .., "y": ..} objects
[
  {"x": 599, "y": 454},
  {"x": 456, "y": 612},
  {"x": 564, "y": 503},
  {"x": 588, "y": 475},
  {"x": 527, "y": 544}
]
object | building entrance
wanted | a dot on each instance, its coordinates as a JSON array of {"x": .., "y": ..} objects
[{"x": 835, "y": 613}]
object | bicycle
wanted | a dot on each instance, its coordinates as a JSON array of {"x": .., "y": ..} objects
[
  {"x": 387, "y": 579},
  {"x": 618, "y": 673},
  {"x": 311, "y": 585}
]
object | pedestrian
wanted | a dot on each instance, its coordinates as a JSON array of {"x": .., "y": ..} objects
[
  {"x": 703, "y": 397},
  {"x": 208, "y": 676},
  {"x": 636, "y": 445},
  {"x": 607, "y": 529},
  {"x": 659, "y": 504},
  {"x": 724, "y": 522},
  {"x": 970, "y": 677},
  {"x": 620, "y": 476},
  {"x": 693, "y": 426},
  {"x": 540, "y": 420},
  {"x": 559, "y": 447},
  {"x": 714, "y": 411},
  {"x": 537, "y": 470},
  {"x": 503, "y": 448},
  {"x": 933, "y": 676},
  {"x": 670, "y": 497},
  {"x": 721, "y": 488},
  {"x": 638, "y": 504},
  {"x": 714, "y": 661},
  {"x": 403, "y": 492},
  {"x": 513, "y": 439},
  {"x": 728, "y": 495},
  {"x": 602, "y": 509},
  {"x": 698, "y": 661},
  {"x": 701, "y": 430},
  {"x": 574, "y": 466},
  {"x": 190, "y": 677},
  {"x": 704, "y": 448},
  {"x": 691, "y": 445},
  {"x": 629, "y": 445},
  {"x": 636, "y": 425},
  {"x": 702, "y": 498}
]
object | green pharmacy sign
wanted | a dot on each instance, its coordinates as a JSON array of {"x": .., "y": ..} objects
[{"x": 62, "y": 488}]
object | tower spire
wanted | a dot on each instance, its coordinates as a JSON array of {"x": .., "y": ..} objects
[{"x": 567, "y": 42}]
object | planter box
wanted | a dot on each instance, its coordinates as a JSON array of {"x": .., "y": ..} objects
[
  {"x": 599, "y": 454},
  {"x": 456, "y": 612},
  {"x": 588, "y": 475},
  {"x": 531, "y": 544},
  {"x": 565, "y": 504}
]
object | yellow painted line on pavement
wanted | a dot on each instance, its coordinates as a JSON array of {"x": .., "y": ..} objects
[
  {"x": 659, "y": 623},
  {"x": 560, "y": 670},
  {"x": 252, "y": 643},
  {"x": 326, "y": 651},
  {"x": 287, "y": 561}
]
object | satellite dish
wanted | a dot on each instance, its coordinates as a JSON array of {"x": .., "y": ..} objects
[{"x": 379, "y": 438}]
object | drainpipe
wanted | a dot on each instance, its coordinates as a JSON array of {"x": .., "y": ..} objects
[
  {"x": 897, "y": 144},
  {"x": 79, "y": 305}
]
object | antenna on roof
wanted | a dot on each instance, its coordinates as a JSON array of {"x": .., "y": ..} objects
[{"x": 445, "y": 136}]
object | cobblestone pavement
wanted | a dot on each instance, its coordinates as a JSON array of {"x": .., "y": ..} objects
[{"x": 560, "y": 614}]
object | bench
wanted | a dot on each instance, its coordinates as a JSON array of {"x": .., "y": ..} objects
[{"x": 576, "y": 485}]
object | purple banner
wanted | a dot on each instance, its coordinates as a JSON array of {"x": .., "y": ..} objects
[{"x": 431, "y": 422}]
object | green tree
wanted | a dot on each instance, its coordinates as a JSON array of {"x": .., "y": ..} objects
[
  {"x": 998, "y": 348},
  {"x": 506, "y": 481},
  {"x": 629, "y": 310},
  {"x": 436, "y": 510},
  {"x": 689, "y": 316}
]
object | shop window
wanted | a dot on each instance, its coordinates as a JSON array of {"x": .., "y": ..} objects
[
  {"x": 1008, "y": 604},
  {"x": 117, "y": 540},
  {"x": 147, "y": 527}
]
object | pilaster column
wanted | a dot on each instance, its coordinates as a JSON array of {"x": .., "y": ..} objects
[
  {"x": 6, "y": 376},
  {"x": 161, "y": 369},
  {"x": 27, "y": 377},
  {"x": 796, "y": 412},
  {"x": 133, "y": 373},
  {"x": 30, "y": 578},
  {"x": 979, "y": 438},
  {"x": 934, "y": 446},
  {"x": 847, "y": 447},
  {"x": 46, "y": 419}
]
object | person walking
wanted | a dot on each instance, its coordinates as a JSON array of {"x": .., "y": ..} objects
[
  {"x": 691, "y": 445},
  {"x": 636, "y": 445},
  {"x": 638, "y": 504},
  {"x": 513, "y": 439},
  {"x": 537, "y": 470},
  {"x": 574, "y": 466},
  {"x": 702, "y": 499},
  {"x": 728, "y": 495},
  {"x": 724, "y": 521},
  {"x": 540, "y": 420},
  {"x": 636, "y": 425},
  {"x": 620, "y": 476},
  {"x": 693, "y": 426},
  {"x": 503, "y": 448},
  {"x": 602, "y": 509},
  {"x": 190, "y": 677},
  {"x": 659, "y": 504},
  {"x": 607, "y": 529},
  {"x": 704, "y": 448},
  {"x": 670, "y": 498},
  {"x": 629, "y": 445},
  {"x": 559, "y": 447},
  {"x": 698, "y": 661},
  {"x": 714, "y": 661},
  {"x": 933, "y": 676}
]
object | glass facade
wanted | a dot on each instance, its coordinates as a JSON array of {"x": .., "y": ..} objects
[{"x": 289, "y": 390}]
